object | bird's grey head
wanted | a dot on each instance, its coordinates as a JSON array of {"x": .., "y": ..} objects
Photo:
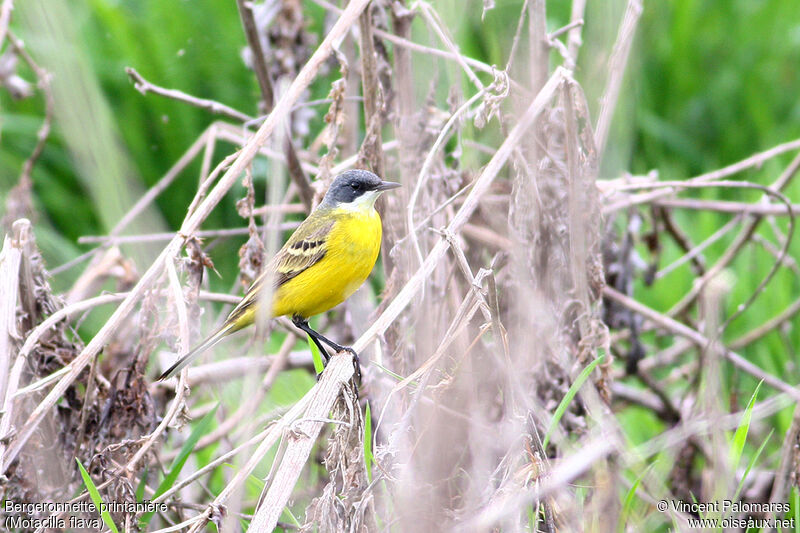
[{"x": 356, "y": 189}]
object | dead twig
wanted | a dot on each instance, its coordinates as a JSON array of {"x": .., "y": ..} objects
[
  {"x": 109, "y": 240},
  {"x": 212, "y": 106}
]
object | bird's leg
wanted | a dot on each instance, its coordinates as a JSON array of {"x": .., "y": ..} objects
[{"x": 302, "y": 323}]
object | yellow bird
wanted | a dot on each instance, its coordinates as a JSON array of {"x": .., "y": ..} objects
[{"x": 325, "y": 260}]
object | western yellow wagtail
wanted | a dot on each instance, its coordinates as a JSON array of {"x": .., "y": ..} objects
[{"x": 325, "y": 260}]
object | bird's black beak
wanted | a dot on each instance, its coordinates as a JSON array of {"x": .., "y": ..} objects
[{"x": 388, "y": 185}]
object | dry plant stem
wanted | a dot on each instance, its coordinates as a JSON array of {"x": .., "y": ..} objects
[
  {"x": 428, "y": 163},
  {"x": 371, "y": 91},
  {"x": 43, "y": 78},
  {"x": 301, "y": 438},
  {"x": 517, "y": 34},
  {"x": 743, "y": 237},
  {"x": 190, "y": 225},
  {"x": 572, "y": 467},
  {"x": 703, "y": 426},
  {"x": 786, "y": 261},
  {"x": 681, "y": 238},
  {"x": 487, "y": 237},
  {"x": 232, "y": 134},
  {"x": 461, "y": 217},
  {"x": 410, "y": 45},
  {"x": 10, "y": 259},
  {"x": 285, "y": 209},
  {"x": 212, "y": 106},
  {"x": 780, "y": 486},
  {"x": 724, "y": 206},
  {"x": 236, "y": 367},
  {"x": 574, "y": 39},
  {"x": 616, "y": 69},
  {"x": 267, "y": 442},
  {"x": 578, "y": 245},
  {"x": 755, "y": 160},
  {"x": 202, "y": 189},
  {"x": 72, "y": 309},
  {"x": 151, "y": 237},
  {"x": 5, "y": 18},
  {"x": 469, "y": 306},
  {"x": 701, "y": 341},
  {"x": 208, "y": 151},
  {"x": 432, "y": 18},
  {"x": 259, "y": 65},
  {"x": 538, "y": 44},
  {"x": 210, "y": 466}
]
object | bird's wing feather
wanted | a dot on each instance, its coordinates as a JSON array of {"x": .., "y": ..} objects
[{"x": 306, "y": 247}]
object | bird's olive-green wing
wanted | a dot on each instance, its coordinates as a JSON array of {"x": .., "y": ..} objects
[{"x": 305, "y": 247}]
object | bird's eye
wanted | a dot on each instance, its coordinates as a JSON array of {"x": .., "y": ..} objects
[{"x": 355, "y": 186}]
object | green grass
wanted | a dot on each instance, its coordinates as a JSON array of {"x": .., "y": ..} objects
[{"x": 94, "y": 494}]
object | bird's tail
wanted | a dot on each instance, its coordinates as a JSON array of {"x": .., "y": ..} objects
[{"x": 197, "y": 350}]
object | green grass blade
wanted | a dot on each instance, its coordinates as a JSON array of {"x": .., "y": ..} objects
[
  {"x": 203, "y": 427},
  {"x": 142, "y": 483},
  {"x": 390, "y": 373},
  {"x": 368, "y": 457},
  {"x": 573, "y": 390},
  {"x": 627, "y": 505},
  {"x": 740, "y": 437},
  {"x": 315, "y": 355},
  {"x": 750, "y": 465},
  {"x": 96, "y": 499}
]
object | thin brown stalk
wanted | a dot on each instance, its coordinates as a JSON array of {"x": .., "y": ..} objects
[
  {"x": 574, "y": 38},
  {"x": 259, "y": 63},
  {"x": 724, "y": 206},
  {"x": 212, "y": 106},
  {"x": 155, "y": 237},
  {"x": 43, "y": 78}
]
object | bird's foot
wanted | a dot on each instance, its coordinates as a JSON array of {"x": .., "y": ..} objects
[{"x": 356, "y": 360}]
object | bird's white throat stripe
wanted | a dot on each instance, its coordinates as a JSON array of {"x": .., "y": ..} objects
[{"x": 362, "y": 204}]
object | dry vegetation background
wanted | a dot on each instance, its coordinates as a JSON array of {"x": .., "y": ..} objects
[{"x": 573, "y": 317}]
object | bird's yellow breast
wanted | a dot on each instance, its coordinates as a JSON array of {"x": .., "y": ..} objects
[{"x": 352, "y": 248}]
